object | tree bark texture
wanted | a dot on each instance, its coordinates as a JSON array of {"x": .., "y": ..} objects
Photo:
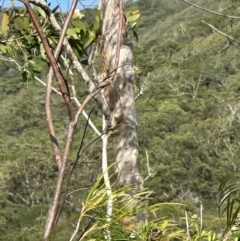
[{"x": 118, "y": 62}]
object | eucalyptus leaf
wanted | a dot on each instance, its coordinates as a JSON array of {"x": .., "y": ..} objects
[{"x": 133, "y": 17}]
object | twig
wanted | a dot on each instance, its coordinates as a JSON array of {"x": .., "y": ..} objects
[
  {"x": 92, "y": 57},
  {"x": 142, "y": 87},
  {"x": 220, "y": 32},
  {"x": 75, "y": 99},
  {"x": 209, "y": 11},
  {"x": 84, "y": 112},
  {"x": 150, "y": 173}
]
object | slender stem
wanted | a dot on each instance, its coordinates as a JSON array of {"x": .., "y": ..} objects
[
  {"x": 222, "y": 33},
  {"x": 107, "y": 232},
  {"x": 187, "y": 224},
  {"x": 84, "y": 112},
  {"x": 53, "y": 211},
  {"x": 201, "y": 216}
]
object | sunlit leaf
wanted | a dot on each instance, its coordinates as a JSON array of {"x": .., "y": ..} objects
[
  {"x": 3, "y": 48},
  {"x": 5, "y": 23},
  {"x": 72, "y": 32},
  {"x": 133, "y": 18},
  {"x": 77, "y": 14}
]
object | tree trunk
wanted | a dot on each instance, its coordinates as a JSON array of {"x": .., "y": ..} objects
[{"x": 118, "y": 63}]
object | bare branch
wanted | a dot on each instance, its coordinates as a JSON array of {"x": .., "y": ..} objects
[
  {"x": 209, "y": 11},
  {"x": 220, "y": 32},
  {"x": 142, "y": 87},
  {"x": 75, "y": 99},
  {"x": 84, "y": 112},
  {"x": 150, "y": 171},
  {"x": 53, "y": 211}
]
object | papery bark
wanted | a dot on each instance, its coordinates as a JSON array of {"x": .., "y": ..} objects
[{"x": 120, "y": 95}]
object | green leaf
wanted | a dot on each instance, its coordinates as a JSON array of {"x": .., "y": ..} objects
[
  {"x": 73, "y": 32},
  {"x": 3, "y": 48},
  {"x": 40, "y": 11},
  {"x": 78, "y": 24},
  {"x": 132, "y": 15},
  {"x": 135, "y": 11},
  {"x": 55, "y": 9},
  {"x": 29, "y": 38},
  {"x": 97, "y": 21},
  {"x": 133, "y": 18},
  {"x": 22, "y": 22},
  {"x": 135, "y": 35},
  {"x": 98, "y": 17},
  {"x": 33, "y": 66},
  {"x": 88, "y": 39}
]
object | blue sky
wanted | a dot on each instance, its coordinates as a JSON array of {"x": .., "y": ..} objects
[{"x": 64, "y": 4}]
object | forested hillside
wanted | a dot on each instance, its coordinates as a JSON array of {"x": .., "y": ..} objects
[{"x": 188, "y": 120}]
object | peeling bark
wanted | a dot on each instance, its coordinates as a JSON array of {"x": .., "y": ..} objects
[{"x": 120, "y": 95}]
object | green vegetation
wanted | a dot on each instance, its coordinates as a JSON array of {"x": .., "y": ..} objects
[{"x": 188, "y": 121}]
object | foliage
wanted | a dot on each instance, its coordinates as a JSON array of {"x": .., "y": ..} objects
[
  {"x": 229, "y": 203},
  {"x": 22, "y": 39},
  {"x": 188, "y": 118}
]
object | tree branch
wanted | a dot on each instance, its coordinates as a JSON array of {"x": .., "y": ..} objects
[
  {"x": 84, "y": 112},
  {"x": 57, "y": 51},
  {"x": 52, "y": 60},
  {"x": 209, "y": 11},
  {"x": 73, "y": 58},
  {"x": 53, "y": 211},
  {"x": 220, "y": 32}
]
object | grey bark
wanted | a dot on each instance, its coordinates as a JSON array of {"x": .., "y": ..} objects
[{"x": 120, "y": 96}]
